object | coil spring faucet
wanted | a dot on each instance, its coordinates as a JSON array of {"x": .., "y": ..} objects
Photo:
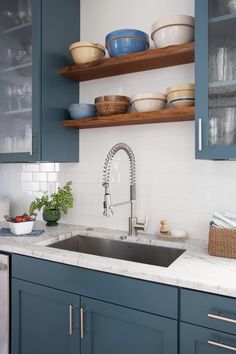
[{"x": 134, "y": 225}]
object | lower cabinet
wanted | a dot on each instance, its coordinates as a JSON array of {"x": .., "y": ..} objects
[
  {"x": 44, "y": 320},
  {"x": 61, "y": 309},
  {"x": 199, "y": 340},
  {"x": 112, "y": 329},
  {"x": 49, "y": 321}
]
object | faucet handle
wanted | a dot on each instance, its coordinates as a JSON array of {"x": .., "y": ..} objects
[
  {"x": 139, "y": 226},
  {"x": 145, "y": 223}
]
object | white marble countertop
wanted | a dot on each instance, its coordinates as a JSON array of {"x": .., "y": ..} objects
[{"x": 194, "y": 269}]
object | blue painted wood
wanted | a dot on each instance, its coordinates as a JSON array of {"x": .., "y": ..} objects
[
  {"x": 142, "y": 295},
  {"x": 52, "y": 33},
  {"x": 40, "y": 320},
  {"x": 194, "y": 340},
  {"x": 205, "y": 304},
  {"x": 36, "y": 87},
  {"x": 209, "y": 152},
  {"x": 60, "y": 28},
  {"x": 201, "y": 73},
  {"x": 113, "y": 329}
]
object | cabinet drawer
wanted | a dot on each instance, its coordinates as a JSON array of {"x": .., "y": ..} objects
[
  {"x": 199, "y": 340},
  {"x": 137, "y": 294},
  {"x": 208, "y": 310}
]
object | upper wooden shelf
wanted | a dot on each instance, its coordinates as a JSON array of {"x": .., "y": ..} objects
[
  {"x": 142, "y": 61},
  {"x": 162, "y": 116}
]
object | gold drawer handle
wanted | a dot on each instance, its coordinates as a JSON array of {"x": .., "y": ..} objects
[
  {"x": 221, "y": 345},
  {"x": 221, "y": 318}
]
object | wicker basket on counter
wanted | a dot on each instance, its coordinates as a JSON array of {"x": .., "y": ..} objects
[{"x": 222, "y": 242}]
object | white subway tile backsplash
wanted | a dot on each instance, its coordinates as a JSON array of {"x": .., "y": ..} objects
[
  {"x": 40, "y": 177},
  {"x": 35, "y": 167},
  {"x": 170, "y": 183},
  {"x": 47, "y": 167},
  {"x": 32, "y": 186},
  {"x": 26, "y": 176},
  {"x": 52, "y": 177}
]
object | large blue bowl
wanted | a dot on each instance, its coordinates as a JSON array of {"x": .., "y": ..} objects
[
  {"x": 82, "y": 110},
  {"x": 126, "y": 41}
]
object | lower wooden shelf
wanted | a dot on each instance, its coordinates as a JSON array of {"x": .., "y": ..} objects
[{"x": 161, "y": 116}]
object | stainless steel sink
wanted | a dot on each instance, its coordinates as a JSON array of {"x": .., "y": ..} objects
[{"x": 135, "y": 252}]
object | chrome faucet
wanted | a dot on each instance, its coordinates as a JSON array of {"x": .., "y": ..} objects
[{"x": 134, "y": 225}]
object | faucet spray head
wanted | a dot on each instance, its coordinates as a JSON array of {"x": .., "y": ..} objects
[{"x": 107, "y": 206}]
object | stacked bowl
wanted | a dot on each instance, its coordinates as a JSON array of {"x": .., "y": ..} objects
[
  {"x": 180, "y": 96},
  {"x": 146, "y": 102},
  {"x": 82, "y": 110},
  {"x": 126, "y": 41},
  {"x": 86, "y": 52},
  {"x": 112, "y": 104},
  {"x": 171, "y": 30}
]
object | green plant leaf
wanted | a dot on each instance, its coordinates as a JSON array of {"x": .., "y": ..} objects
[{"x": 62, "y": 199}]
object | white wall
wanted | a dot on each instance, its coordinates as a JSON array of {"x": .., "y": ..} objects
[{"x": 171, "y": 184}]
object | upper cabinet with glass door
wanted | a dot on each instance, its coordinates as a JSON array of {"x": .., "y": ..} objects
[
  {"x": 16, "y": 77},
  {"x": 33, "y": 98},
  {"x": 216, "y": 79}
]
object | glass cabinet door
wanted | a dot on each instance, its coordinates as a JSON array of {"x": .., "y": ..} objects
[
  {"x": 15, "y": 76},
  {"x": 216, "y": 79}
]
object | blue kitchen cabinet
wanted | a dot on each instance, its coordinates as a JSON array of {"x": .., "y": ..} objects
[
  {"x": 111, "y": 314},
  {"x": 199, "y": 340},
  {"x": 208, "y": 327},
  {"x": 34, "y": 40},
  {"x": 108, "y": 328},
  {"x": 215, "y": 80},
  {"x": 44, "y": 320}
]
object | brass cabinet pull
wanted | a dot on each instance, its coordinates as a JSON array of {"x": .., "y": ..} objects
[
  {"x": 222, "y": 318},
  {"x": 3, "y": 266},
  {"x": 200, "y": 134},
  {"x": 221, "y": 345},
  {"x": 70, "y": 320}
]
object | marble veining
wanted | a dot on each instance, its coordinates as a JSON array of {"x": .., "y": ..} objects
[{"x": 194, "y": 269}]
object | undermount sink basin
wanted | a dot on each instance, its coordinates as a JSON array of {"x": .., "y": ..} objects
[{"x": 135, "y": 252}]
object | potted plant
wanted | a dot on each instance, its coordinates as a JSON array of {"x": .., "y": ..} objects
[{"x": 54, "y": 204}]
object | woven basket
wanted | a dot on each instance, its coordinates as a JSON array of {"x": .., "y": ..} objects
[{"x": 222, "y": 242}]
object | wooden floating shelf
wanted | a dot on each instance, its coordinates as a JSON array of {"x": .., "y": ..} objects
[
  {"x": 161, "y": 116},
  {"x": 142, "y": 61}
]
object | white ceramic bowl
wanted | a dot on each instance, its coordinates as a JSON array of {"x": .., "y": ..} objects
[
  {"x": 173, "y": 30},
  {"x": 21, "y": 228},
  {"x": 147, "y": 102},
  {"x": 86, "y": 52}
]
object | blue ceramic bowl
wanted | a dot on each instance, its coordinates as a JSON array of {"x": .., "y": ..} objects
[
  {"x": 82, "y": 110},
  {"x": 126, "y": 41}
]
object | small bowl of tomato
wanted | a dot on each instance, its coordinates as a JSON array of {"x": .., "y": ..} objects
[{"x": 22, "y": 224}]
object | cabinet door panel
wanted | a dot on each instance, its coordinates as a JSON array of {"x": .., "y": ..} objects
[
  {"x": 40, "y": 320},
  {"x": 19, "y": 79},
  {"x": 114, "y": 329},
  {"x": 215, "y": 80},
  {"x": 194, "y": 340}
]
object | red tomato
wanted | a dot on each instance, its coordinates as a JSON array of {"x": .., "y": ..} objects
[{"x": 19, "y": 219}]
